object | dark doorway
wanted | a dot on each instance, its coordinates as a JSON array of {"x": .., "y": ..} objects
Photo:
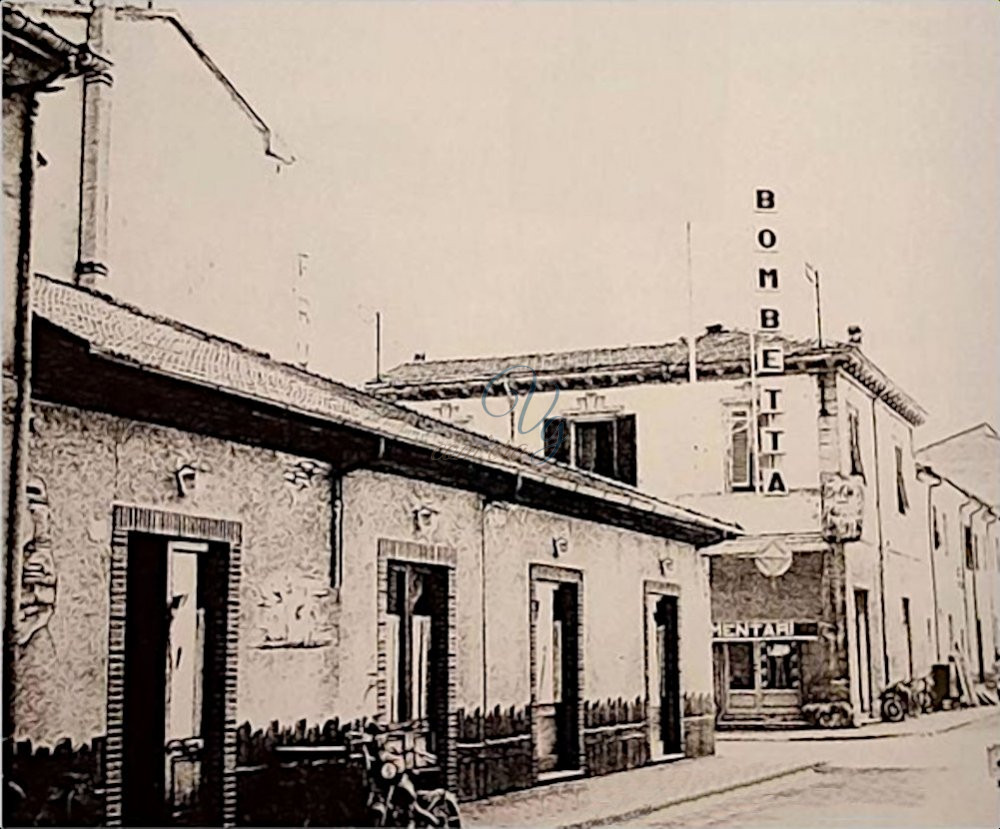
[
  {"x": 174, "y": 691},
  {"x": 418, "y": 654},
  {"x": 556, "y": 643},
  {"x": 862, "y": 640},
  {"x": 667, "y": 640}
]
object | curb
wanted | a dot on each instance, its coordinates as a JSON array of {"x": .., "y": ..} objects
[
  {"x": 642, "y": 811},
  {"x": 858, "y": 734}
]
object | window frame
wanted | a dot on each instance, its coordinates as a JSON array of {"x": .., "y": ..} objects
[
  {"x": 856, "y": 459},
  {"x": 732, "y": 412},
  {"x": 567, "y": 452},
  {"x": 902, "y": 498}
]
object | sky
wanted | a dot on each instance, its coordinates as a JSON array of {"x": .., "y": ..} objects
[{"x": 517, "y": 177}]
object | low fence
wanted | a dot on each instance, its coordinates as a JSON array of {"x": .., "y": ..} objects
[
  {"x": 54, "y": 787},
  {"x": 494, "y": 752}
]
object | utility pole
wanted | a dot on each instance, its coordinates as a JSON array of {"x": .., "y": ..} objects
[
  {"x": 692, "y": 347},
  {"x": 378, "y": 346}
]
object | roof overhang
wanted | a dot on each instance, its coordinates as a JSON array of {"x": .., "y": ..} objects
[
  {"x": 34, "y": 55},
  {"x": 70, "y": 371}
]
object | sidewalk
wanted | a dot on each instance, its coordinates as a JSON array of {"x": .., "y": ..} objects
[
  {"x": 927, "y": 724},
  {"x": 615, "y": 798}
]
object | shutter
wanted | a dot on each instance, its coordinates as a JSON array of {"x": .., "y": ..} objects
[
  {"x": 557, "y": 440},
  {"x": 903, "y": 501},
  {"x": 625, "y": 460},
  {"x": 739, "y": 464},
  {"x": 856, "y": 466}
]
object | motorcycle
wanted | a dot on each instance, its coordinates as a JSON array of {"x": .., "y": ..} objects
[
  {"x": 393, "y": 797},
  {"x": 906, "y": 699}
]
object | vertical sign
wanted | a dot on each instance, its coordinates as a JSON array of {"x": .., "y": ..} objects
[{"x": 767, "y": 352}]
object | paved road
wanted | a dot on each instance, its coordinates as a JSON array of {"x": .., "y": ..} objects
[{"x": 939, "y": 780}]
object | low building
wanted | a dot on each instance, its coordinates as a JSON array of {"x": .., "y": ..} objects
[
  {"x": 224, "y": 547},
  {"x": 827, "y": 599},
  {"x": 962, "y": 472}
]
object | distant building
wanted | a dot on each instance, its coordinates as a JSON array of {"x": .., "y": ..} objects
[
  {"x": 962, "y": 472},
  {"x": 828, "y": 597}
]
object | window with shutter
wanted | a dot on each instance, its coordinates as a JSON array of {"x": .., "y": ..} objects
[
  {"x": 902, "y": 501},
  {"x": 557, "y": 439},
  {"x": 625, "y": 450},
  {"x": 740, "y": 457},
  {"x": 854, "y": 430}
]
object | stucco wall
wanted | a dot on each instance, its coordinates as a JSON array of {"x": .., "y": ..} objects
[
  {"x": 614, "y": 562},
  {"x": 86, "y": 462}
]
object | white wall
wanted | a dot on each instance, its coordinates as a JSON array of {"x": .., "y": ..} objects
[
  {"x": 196, "y": 209},
  {"x": 682, "y": 442}
]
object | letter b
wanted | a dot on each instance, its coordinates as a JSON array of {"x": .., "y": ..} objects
[
  {"x": 765, "y": 200},
  {"x": 769, "y": 319}
]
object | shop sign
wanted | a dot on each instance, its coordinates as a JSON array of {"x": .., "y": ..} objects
[
  {"x": 843, "y": 506},
  {"x": 760, "y": 629},
  {"x": 774, "y": 560}
]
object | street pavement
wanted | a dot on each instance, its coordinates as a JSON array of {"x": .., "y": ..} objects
[
  {"x": 915, "y": 780},
  {"x": 930, "y": 771}
]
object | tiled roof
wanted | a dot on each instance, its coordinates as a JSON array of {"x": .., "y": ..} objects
[
  {"x": 719, "y": 353},
  {"x": 125, "y": 333}
]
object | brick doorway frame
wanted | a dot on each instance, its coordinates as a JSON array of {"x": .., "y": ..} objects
[
  {"x": 561, "y": 575},
  {"x": 127, "y": 519},
  {"x": 656, "y": 589},
  {"x": 439, "y": 555}
]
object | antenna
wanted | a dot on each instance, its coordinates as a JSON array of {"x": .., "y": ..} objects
[
  {"x": 378, "y": 346},
  {"x": 692, "y": 355},
  {"x": 302, "y": 310}
]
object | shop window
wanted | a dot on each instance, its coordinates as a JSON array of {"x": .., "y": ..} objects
[
  {"x": 854, "y": 431},
  {"x": 902, "y": 500},
  {"x": 741, "y": 668},
  {"x": 605, "y": 446},
  {"x": 935, "y": 528},
  {"x": 779, "y": 665},
  {"x": 740, "y": 470},
  {"x": 970, "y": 553}
]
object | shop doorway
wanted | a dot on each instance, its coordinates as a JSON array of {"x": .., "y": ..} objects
[
  {"x": 174, "y": 692},
  {"x": 862, "y": 640},
  {"x": 761, "y": 679},
  {"x": 555, "y": 649},
  {"x": 663, "y": 672}
]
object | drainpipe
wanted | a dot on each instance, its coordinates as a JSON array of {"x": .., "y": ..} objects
[
  {"x": 965, "y": 581},
  {"x": 21, "y": 427},
  {"x": 881, "y": 547},
  {"x": 975, "y": 591},
  {"x": 989, "y": 523},
  {"x": 92, "y": 239},
  {"x": 484, "y": 504},
  {"x": 935, "y": 482}
]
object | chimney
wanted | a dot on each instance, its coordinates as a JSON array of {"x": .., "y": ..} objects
[
  {"x": 714, "y": 328},
  {"x": 419, "y": 358},
  {"x": 91, "y": 257},
  {"x": 854, "y": 335}
]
